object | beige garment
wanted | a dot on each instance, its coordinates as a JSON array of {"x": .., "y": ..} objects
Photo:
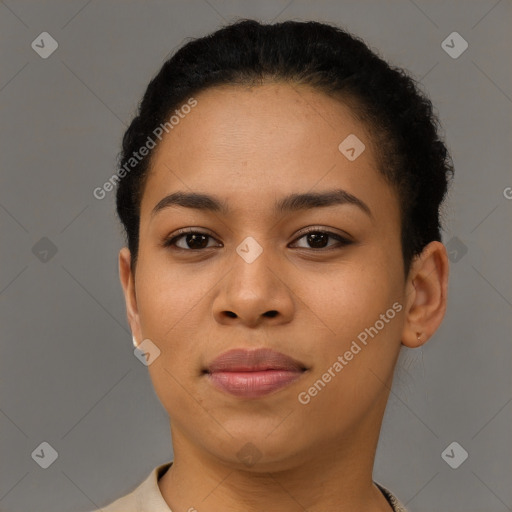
[
  {"x": 145, "y": 498},
  {"x": 148, "y": 498}
]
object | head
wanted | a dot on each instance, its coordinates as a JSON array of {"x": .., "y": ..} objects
[{"x": 289, "y": 129}]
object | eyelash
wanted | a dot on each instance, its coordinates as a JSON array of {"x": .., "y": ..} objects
[{"x": 170, "y": 241}]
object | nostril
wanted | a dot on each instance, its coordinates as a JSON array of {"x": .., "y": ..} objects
[{"x": 271, "y": 314}]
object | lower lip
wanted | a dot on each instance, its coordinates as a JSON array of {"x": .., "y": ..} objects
[{"x": 253, "y": 384}]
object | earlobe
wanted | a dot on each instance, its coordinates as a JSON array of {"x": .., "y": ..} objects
[
  {"x": 427, "y": 286},
  {"x": 128, "y": 284}
]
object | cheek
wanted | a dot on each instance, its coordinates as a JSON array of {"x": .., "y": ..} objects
[
  {"x": 355, "y": 318},
  {"x": 170, "y": 300},
  {"x": 362, "y": 311},
  {"x": 166, "y": 293},
  {"x": 348, "y": 298},
  {"x": 175, "y": 308}
]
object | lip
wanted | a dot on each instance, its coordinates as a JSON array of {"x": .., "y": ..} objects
[{"x": 253, "y": 373}]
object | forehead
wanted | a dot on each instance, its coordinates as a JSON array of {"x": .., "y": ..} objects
[
  {"x": 263, "y": 141},
  {"x": 270, "y": 118}
]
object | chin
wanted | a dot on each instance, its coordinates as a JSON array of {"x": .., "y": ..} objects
[{"x": 259, "y": 452}]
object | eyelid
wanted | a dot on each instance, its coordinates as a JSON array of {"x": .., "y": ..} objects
[{"x": 185, "y": 231}]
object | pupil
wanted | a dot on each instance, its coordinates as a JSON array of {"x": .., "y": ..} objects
[
  {"x": 316, "y": 239},
  {"x": 191, "y": 239}
]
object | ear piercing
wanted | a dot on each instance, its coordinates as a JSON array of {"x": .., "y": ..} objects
[
  {"x": 134, "y": 341},
  {"x": 419, "y": 335}
]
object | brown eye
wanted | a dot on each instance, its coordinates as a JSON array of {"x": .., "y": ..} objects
[
  {"x": 190, "y": 241},
  {"x": 318, "y": 239}
]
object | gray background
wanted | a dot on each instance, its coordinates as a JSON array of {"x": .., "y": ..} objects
[{"x": 68, "y": 375}]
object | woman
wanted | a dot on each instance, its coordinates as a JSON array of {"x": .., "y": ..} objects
[{"x": 280, "y": 190}]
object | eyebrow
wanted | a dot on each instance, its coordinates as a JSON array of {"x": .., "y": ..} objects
[{"x": 290, "y": 203}]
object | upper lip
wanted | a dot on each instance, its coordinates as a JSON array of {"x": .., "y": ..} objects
[{"x": 243, "y": 360}]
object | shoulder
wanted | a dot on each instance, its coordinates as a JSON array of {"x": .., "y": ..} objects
[
  {"x": 127, "y": 503},
  {"x": 146, "y": 497}
]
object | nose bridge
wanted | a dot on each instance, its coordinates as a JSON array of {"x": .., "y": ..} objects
[
  {"x": 252, "y": 267},
  {"x": 250, "y": 250},
  {"x": 253, "y": 287}
]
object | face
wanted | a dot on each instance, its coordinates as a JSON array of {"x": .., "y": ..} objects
[{"x": 252, "y": 277}]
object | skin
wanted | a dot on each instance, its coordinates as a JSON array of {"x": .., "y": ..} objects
[{"x": 251, "y": 146}]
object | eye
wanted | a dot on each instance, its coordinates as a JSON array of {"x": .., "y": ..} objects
[
  {"x": 318, "y": 239},
  {"x": 190, "y": 240}
]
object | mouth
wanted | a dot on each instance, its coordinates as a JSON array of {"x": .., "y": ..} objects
[{"x": 253, "y": 374}]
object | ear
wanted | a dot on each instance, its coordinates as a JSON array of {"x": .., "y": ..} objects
[
  {"x": 128, "y": 283},
  {"x": 426, "y": 290}
]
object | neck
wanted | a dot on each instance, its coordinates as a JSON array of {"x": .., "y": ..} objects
[{"x": 334, "y": 476}]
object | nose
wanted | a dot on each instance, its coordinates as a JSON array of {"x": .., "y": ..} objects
[{"x": 254, "y": 292}]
